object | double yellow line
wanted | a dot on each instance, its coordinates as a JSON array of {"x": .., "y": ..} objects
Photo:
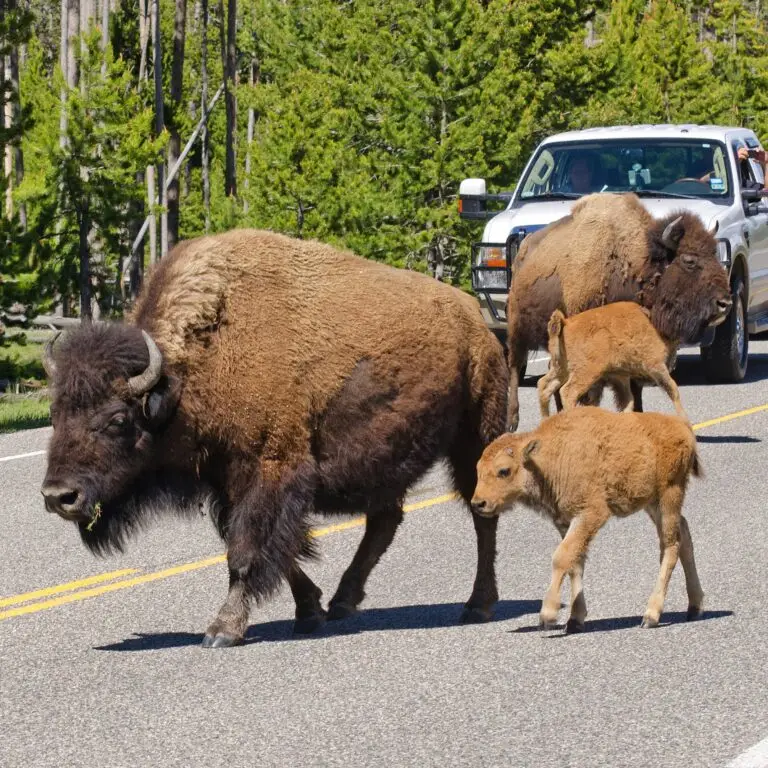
[
  {"x": 93, "y": 586},
  {"x": 32, "y": 602}
]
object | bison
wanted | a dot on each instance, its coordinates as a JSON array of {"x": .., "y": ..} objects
[
  {"x": 267, "y": 378},
  {"x": 611, "y": 249},
  {"x": 609, "y": 344},
  {"x": 580, "y": 468}
]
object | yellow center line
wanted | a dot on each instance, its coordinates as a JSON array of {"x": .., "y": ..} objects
[
  {"x": 83, "y": 594},
  {"x": 731, "y": 416},
  {"x": 69, "y": 586}
]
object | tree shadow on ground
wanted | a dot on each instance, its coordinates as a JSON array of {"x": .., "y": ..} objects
[
  {"x": 668, "y": 619},
  {"x": 437, "y": 616}
]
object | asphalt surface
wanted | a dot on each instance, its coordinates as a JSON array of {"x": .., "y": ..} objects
[{"x": 117, "y": 678}]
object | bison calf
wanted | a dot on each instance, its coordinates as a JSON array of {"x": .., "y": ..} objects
[
  {"x": 609, "y": 344},
  {"x": 582, "y": 466}
]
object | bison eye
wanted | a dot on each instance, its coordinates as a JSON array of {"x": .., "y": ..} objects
[
  {"x": 117, "y": 422},
  {"x": 503, "y": 472}
]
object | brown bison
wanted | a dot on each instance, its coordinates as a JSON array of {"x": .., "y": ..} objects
[
  {"x": 580, "y": 468},
  {"x": 611, "y": 249},
  {"x": 267, "y": 378}
]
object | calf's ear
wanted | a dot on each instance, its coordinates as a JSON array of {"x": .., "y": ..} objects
[
  {"x": 161, "y": 401},
  {"x": 530, "y": 450}
]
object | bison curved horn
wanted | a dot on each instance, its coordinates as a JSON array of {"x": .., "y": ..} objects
[
  {"x": 138, "y": 385},
  {"x": 48, "y": 362},
  {"x": 666, "y": 235}
]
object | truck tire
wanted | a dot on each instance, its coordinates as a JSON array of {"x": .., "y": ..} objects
[{"x": 726, "y": 360}]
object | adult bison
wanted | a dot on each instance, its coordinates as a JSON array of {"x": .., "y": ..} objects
[
  {"x": 611, "y": 249},
  {"x": 268, "y": 378}
]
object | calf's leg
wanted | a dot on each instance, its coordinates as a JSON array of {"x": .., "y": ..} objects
[
  {"x": 667, "y": 519},
  {"x": 578, "y": 612},
  {"x": 692, "y": 583},
  {"x": 667, "y": 383},
  {"x": 569, "y": 554},
  {"x": 380, "y": 528},
  {"x": 548, "y": 384}
]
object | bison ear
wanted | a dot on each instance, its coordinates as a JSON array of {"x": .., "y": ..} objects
[
  {"x": 160, "y": 403},
  {"x": 530, "y": 450},
  {"x": 673, "y": 234}
]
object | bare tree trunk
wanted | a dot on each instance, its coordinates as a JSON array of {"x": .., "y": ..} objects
[
  {"x": 63, "y": 59},
  {"x": 204, "y": 103},
  {"x": 253, "y": 79},
  {"x": 151, "y": 197},
  {"x": 229, "y": 61},
  {"x": 144, "y": 25},
  {"x": 73, "y": 32},
  {"x": 84, "y": 222},
  {"x": 174, "y": 145},
  {"x": 104, "y": 35},
  {"x": 16, "y": 117},
  {"x": 159, "y": 120},
  {"x": 7, "y": 123}
]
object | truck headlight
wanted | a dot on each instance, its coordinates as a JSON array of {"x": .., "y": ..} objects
[
  {"x": 724, "y": 253},
  {"x": 490, "y": 268}
]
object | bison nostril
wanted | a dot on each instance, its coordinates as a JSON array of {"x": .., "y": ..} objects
[
  {"x": 724, "y": 304},
  {"x": 61, "y": 499}
]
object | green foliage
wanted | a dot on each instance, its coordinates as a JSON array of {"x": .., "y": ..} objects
[{"x": 23, "y": 413}]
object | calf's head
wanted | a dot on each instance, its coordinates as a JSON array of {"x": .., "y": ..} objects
[
  {"x": 692, "y": 292},
  {"x": 111, "y": 399},
  {"x": 503, "y": 474}
]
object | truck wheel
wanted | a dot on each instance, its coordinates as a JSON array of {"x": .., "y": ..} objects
[{"x": 726, "y": 360}]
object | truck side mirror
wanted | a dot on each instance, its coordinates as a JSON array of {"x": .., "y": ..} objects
[{"x": 472, "y": 200}]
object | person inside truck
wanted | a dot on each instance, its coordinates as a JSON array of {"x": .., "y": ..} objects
[
  {"x": 581, "y": 175},
  {"x": 745, "y": 174}
]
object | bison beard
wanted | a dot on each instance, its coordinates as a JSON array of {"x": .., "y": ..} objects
[{"x": 264, "y": 423}]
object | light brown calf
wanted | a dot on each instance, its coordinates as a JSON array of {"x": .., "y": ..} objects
[
  {"x": 583, "y": 466},
  {"x": 606, "y": 345}
]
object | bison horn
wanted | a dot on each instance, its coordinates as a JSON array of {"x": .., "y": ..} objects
[
  {"x": 142, "y": 383},
  {"x": 48, "y": 362},
  {"x": 666, "y": 236}
]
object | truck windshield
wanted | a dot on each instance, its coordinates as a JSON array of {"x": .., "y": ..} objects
[{"x": 649, "y": 167}]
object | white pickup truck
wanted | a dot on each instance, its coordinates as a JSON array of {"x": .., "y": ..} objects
[{"x": 669, "y": 167}]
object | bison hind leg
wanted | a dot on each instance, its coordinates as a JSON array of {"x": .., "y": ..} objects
[
  {"x": 464, "y": 455},
  {"x": 381, "y": 525}
]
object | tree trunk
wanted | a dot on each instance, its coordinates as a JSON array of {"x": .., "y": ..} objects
[
  {"x": 104, "y": 35},
  {"x": 144, "y": 25},
  {"x": 229, "y": 61},
  {"x": 253, "y": 79},
  {"x": 204, "y": 103},
  {"x": 159, "y": 120},
  {"x": 73, "y": 14},
  {"x": 174, "y": 144},
  {"x": 16, "y": 117},
  {"x": 63, "y": 59},
  {"x": 84, "y": 222}
]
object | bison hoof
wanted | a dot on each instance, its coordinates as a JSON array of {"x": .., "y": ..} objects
[
  {"x": 574, "y": 627},
  {"x": 338, "y": 611},
  {"x": 694, "y": 612},
  {"x": 649, "y": 622},
  {"x": 221, "y": 641},
  {"x": 306, "y": 625},
  {"x": 475, "y": 615}
]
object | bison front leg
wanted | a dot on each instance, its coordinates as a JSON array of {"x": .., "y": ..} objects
[
  {"x": 578, "y": 613},
  {"x": 485, "y": 594},
  {"x": 309, "y": 611},
  {"x": 229, "y": 627}
]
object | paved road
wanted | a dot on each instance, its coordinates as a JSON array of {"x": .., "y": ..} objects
[{"x": 108, "y": 672}]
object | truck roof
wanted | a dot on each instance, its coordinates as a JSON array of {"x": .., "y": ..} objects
[{"x": 665, "y": 131}]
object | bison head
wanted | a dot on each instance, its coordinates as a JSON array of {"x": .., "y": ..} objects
[
  {"x": 503, "y": 476},
  {"x": 111, "y": 401},
  {"x": 690, "y": 287}
]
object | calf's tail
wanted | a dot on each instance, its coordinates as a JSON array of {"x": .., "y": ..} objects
[{"x": 555, "y": 329}]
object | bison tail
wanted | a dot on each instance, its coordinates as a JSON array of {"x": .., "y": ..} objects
[
  {"x": 488, "y": 381},
  {"x": 696, "y": 469}
]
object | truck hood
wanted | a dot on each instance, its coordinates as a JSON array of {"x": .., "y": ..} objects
[{"x": 533, "y": 216}]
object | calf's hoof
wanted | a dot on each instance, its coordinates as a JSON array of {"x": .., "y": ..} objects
[
  {"x": 221, "y": 640},
  {"x": 694, "y": 612},
  {"x": 649, "y": 622},
  {"x": 574, "y": 627},
  {"x": 474, "y": 615},
  {"x": 306, "y": 625},
  {"x": 339, "y": 611}
]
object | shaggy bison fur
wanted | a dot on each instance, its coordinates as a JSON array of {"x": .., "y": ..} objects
[
  {"x": 265, "y": 379},
  {"x": 611, "y": 249}
]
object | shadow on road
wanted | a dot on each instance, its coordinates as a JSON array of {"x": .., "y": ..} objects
[
  {"x": 442, "y": 615},
  {"x": 727, "y": 439},
  {"x": 630, "y": 622}
]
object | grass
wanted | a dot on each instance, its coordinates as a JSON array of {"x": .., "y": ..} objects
[
  {"x": 21, "y": 359},
  {"x": 19, "y": 412}
]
